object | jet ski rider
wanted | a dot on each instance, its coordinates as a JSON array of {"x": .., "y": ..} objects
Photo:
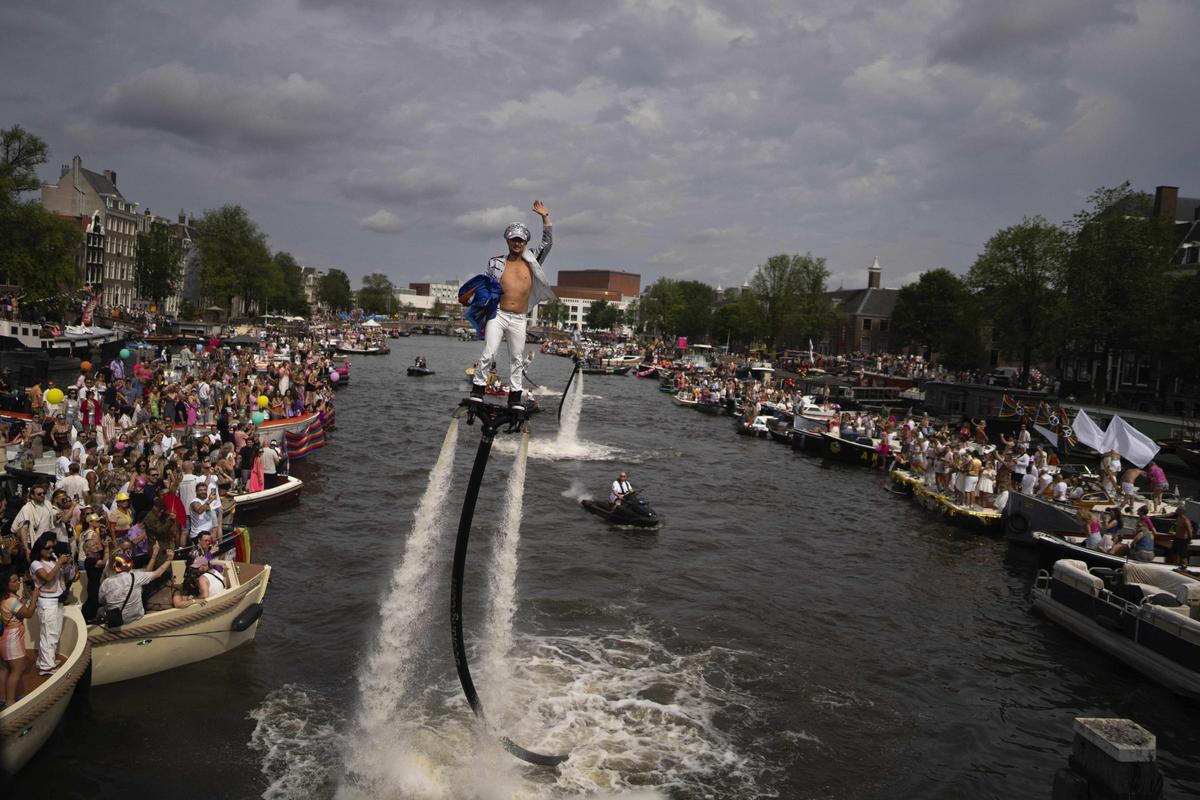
[{"x": 621, "y": 488}]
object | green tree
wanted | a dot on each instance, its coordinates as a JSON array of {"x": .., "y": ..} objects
[
  {"x": 601, "y": 315},
  {"x": 291, "y": 299},
  {"x": 938, "y": 313},
  {"x": 377, "y": 295},
  {"x": 1018, "y": 280},
  {"x": 1115, "y": 279},
  {"x": 234, "y": 258},
  {"x": 159, "y": 254},
  {"x": 789, "y": 291},
  {"x": 21, "y": 153},
  {"x": 35, "y": 245},
  {"x": 738, "y": 322},
  {"x": 678, "y": 308},
  {"x": 333, "y": 290},
  {"x": 553, "y": 312}
]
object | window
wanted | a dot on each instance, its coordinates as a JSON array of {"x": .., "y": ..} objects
[
  {"x": 866, "y": 324},
  {"x": 883, "y": 325}
]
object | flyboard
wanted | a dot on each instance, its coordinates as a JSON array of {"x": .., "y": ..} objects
[{"x": 492, "y": 418}]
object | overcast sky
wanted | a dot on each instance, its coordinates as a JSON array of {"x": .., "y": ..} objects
[{"x": 668, "y": 138}]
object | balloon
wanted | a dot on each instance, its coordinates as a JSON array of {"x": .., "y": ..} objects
[
  {"x": 124, "y": 353},
  {"x": 335, "y": 376},
  {"x": 257, "y": 417},
  {"x": 86, "y": 366},
  {"x": 54, "y": 396},
  {"x": 263, "y": 402}
]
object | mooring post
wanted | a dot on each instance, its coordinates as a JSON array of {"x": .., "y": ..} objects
[{"x": 1110, "y": 758}]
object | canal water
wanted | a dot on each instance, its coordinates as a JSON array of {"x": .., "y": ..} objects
[{"x": 794, "y": 630}]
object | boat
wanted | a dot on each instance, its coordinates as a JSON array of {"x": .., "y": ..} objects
[
  {"x": 1146, "y": 615},
  {"x": 1050, "y": 546},
  {"x": 163, "y": 640},
  {"x": 759, "y": 427},
  {"x": 419, "y": 372},
  {"x": 368, "y": 350},
  {"x": 978, "y": 519},
  {"x": 28, "y": 723},
  {"x": 780, "y": 431},
  {"x": 710, "y": 406},
  {"x": 1027, "y": 513},
  {"x": 34, "y": 352},
  {"x": 686, "y": 400},
  {"x": 647, "y": 372},
  {"x": 850, "y": 449},
  {"x": 761, "y": 369},
  {"x": 635, "y": 514},
  {"x": 251, "y": 502},
  {"x": 610, "y": 370},
  {"x": 270, "y": 430}
]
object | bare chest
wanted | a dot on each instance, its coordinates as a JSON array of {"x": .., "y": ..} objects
[{"x": 515, "y": 284}]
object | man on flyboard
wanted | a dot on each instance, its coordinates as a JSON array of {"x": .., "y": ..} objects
[{"x": 522, "y": 286}]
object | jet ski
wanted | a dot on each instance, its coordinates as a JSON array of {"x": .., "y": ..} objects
[
  {"x": 419, "y": 372},
  {"x": 631, "y": 512}
]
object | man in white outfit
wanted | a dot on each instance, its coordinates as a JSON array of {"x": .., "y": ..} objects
[{"x": 522, "y": 285}]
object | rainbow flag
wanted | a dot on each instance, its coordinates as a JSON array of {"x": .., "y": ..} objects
[
  {"x": 299, "y": 445},
  {"x": 241, "y": 544}
]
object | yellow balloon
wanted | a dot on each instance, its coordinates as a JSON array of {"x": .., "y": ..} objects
[
  {"x": 263, "y": 402},
  {"x": 54, "y": 396}
]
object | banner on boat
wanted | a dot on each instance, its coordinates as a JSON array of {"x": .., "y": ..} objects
[{"x": 299, "y": 445}]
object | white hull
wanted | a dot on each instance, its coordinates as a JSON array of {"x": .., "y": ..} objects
[
  {"x": 164, "y": 640},
  {"x": 27, "y": 724},
  {"x": 251, "y": 501}
]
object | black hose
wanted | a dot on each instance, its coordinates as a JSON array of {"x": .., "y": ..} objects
[
  {"x": 456, "y": 597},
  {"x": 563, "y": 399}
]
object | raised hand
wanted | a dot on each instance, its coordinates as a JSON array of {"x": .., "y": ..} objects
[{"x": 539, "y": 208}]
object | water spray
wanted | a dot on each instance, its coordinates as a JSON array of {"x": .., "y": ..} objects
[{"x": 491, "y": 418}]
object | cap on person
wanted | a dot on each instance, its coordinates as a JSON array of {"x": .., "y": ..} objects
[
  {"x": 121, "y": 564},
  {"x": 517, "y": 231},
  {"x": 122, "y": 496}
]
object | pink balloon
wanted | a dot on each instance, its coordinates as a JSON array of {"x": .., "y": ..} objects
[{"x": 334, "y": 376}]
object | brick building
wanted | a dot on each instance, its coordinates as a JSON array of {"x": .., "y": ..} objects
[
  {"x": 863, "y": 318},
  {"x": 81, "y": 193}
]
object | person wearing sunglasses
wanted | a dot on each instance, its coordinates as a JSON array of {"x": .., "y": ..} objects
[
  {"x": 48, "y": 572},
  {"x": 35, "y": 518}
]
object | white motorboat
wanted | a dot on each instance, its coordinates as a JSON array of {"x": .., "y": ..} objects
[
  {"x": 163, "y": 640},
  {"x": 250, "y": 502},
  {"x": 1146, "y": 615},
  {"x": 27, "y": 724}
]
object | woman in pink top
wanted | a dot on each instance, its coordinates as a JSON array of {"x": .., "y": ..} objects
[
  {"x": 1158, "y": 483},
  {"x": 13, "y": 614}
]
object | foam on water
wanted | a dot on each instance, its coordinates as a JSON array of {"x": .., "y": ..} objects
[
  {"x": 296, "y": 732},
  {"x": 384, "y": 681},
  {"x": 502, "y": 595},
  {"x": 578, "y": 491}
]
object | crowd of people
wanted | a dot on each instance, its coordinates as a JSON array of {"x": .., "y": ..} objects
[{"x": 146, "y": 453}]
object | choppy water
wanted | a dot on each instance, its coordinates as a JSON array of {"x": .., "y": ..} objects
[{"x": 793, "y": 630}]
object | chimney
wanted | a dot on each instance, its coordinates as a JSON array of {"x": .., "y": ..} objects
[
  {"x": 182, "y": 217},
  {"x": 112, "y": 177},
  {"x": 1166, "y": 200},
  {"x": 873, "y": 274}
]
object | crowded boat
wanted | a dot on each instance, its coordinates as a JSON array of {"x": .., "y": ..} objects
[{"x": 124, "y": 502}]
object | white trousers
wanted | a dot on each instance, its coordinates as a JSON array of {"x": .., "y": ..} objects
[
  {"x": 50, "y": 620},
  {"x": 509, "y": 327}
]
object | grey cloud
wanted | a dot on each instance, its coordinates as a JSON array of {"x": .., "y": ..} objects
[
  {"x": 382, "y": 221},
  {"x": 402, "y": 187},
  {"x": 984, "y": 30},
  {"x": 487, "y": 223},
  {"x": 218, "y": 110}
]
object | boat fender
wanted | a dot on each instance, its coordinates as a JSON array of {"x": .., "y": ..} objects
[
  {"x": 248, "y": 617},
  {"x": 1017, "y": 525}
]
